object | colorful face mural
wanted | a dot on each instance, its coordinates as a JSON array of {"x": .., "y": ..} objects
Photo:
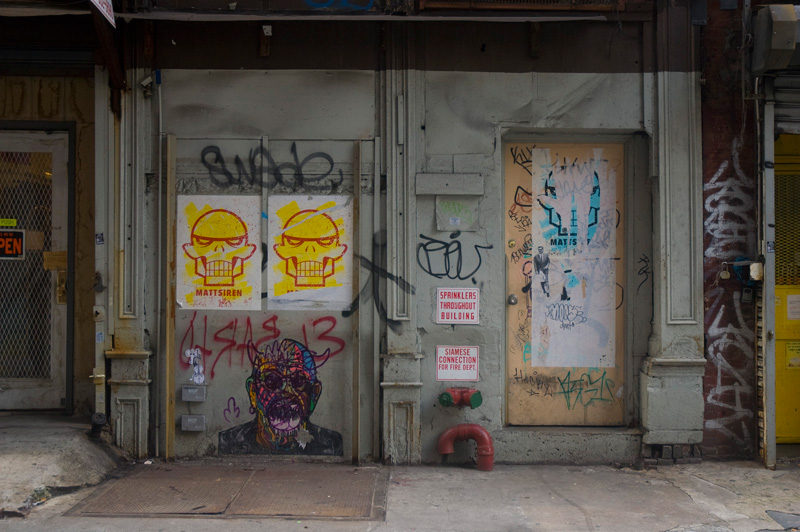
[
  {"x": 283, "y": 389},
  {"x": 311, "y": 261},
  {"x": 218, "y": 248}
]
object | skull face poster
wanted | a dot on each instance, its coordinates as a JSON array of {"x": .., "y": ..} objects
[
  {"x": 218, "y": 253},
  {"x": 310, "y": 252}
]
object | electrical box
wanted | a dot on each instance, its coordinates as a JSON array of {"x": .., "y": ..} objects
[
  {"x": 192, "y": 423},
  {"x": 193, "y": 394}
]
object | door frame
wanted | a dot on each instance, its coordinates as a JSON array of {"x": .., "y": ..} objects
[{"x": 43, "y": 126}]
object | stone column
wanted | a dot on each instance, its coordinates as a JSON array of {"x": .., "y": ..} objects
[
  {"x": 400, "y": 383},
  {"x": 671, "y": 382}
]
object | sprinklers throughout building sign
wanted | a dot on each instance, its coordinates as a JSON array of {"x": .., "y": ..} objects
[{"x": 458, "y": 306}]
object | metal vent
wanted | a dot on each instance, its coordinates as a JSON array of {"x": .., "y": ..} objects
[
  {"x": 560, "y": 5},
  {"x": 25, "y": 288},
  {"x": 787, "y": 227}
]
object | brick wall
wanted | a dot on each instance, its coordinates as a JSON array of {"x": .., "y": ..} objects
[{"x": 729, "y": 175}]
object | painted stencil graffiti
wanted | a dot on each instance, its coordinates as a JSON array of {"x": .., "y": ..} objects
[
  {"x": 311, "y": 265},
  {"x": 283, "y": 389},
  {"x": 218, "y": 258}
]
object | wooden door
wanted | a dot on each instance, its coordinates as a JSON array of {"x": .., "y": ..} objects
[{"x": 565, "y": 253}]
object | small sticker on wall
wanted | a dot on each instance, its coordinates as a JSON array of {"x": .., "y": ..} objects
[
  {"x": 99, "y": 338},
  {"x": 793, "y": 307}
]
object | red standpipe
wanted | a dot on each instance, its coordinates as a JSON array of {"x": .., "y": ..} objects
[{"x": 469, "y": 431}]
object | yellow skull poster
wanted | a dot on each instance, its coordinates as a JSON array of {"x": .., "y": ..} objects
[
  {"x": 218, "y": 252},
  {"x": 309, "y": 252}
]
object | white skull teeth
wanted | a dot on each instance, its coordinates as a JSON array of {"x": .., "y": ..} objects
[
  {"x": 219, "y": 268},
  {"x": 310, "y": 268}
]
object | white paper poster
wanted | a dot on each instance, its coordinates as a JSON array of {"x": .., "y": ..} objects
[
  {"x": 310, "y": 252},
  {"x": 218, "y": 252}
]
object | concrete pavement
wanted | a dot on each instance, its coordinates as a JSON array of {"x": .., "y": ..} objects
[{"x": 706, "y": 497}]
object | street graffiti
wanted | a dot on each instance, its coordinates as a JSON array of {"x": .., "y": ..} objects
[
  {"x": 729, "y": 384},
  {"x": 195, "y": 357},
  {"x": 260, "y": 168},
  {"x": 539, "y": 385},
  {"x": 228, "y": 343},
  {"x": 372, "y": 287},
  {"x": 566, "y": 315},
  {"x": 283, "y": 388},
  {"x": 231, "y": 410},
  {"x": 587, "y": 389},
  {"x": 524, "y": 251},
  {"x": 729, "y": 210},
  {"x": 729, "y": 388},
  {"x": 445, "y": 259},
  {"x": 644, "y": 271}
]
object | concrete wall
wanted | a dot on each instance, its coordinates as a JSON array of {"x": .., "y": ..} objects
[
  {"x": 466, "y": 110},
  {"x": 468, "y": 117},
  {"x": 298, "y": 128}
]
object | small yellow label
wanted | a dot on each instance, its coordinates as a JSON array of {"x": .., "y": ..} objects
[{"x": 8, "y": 222}]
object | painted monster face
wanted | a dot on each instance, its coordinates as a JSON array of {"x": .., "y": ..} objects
[
  {"x": 283, "y": 387},
  {"x": 310, "y": 248},
  {"x": 219, "y": 247}
]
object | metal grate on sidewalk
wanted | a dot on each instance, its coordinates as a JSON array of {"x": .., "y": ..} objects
[{"x": 267, "y": 490}]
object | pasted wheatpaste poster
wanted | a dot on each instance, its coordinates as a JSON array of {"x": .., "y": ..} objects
[
  {"x": 218, "y": 252},
  {"x": 310, "y": 252}
]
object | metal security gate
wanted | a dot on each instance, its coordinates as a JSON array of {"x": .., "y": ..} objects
[{"x": 34, "y": 209}]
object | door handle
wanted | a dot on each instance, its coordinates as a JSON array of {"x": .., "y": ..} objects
[{"x": 512, "y": 299}]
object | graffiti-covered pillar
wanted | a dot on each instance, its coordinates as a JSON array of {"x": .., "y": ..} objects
[
  {"x": 401, "y": 380},
  {"x": 671, "y": 378}
]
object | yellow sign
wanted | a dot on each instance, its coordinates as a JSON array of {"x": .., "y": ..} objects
[{"x": 8, "y": 222}]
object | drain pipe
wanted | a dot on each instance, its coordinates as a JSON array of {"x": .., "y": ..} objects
[{"x": 469, "y": 431}]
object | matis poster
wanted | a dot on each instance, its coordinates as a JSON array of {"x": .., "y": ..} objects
[
  {"x": 310, "y": 252},
  {"x": 218, "y": 252}
]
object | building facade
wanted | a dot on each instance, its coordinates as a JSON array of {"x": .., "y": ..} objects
[{"x": 342, "y": 229}]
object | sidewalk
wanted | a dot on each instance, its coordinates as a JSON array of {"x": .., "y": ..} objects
[{"x": 706, "y": 497}]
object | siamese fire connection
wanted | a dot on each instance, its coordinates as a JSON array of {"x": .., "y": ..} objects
[
  {"x": 469, "y": 431},
  {"x": 460, "y": 396}
]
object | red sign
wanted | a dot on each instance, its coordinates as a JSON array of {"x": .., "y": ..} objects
[
  {"x": 12, "y": 244},
  {"x": 106, "y": 9},
  {"x": 457, "y": 305},
  {"x": 456, "y": 363}
]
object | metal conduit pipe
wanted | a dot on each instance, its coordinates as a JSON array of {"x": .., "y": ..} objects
[{"x": 469, "y": 431}]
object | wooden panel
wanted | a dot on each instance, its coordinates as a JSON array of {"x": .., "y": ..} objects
[{"x": 564, "y": 251}]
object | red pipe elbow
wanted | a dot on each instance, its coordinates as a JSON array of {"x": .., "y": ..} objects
[{"x": 469, "y": 431}]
